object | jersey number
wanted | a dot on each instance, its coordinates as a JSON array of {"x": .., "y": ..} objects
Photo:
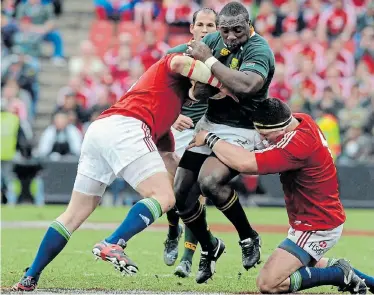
[{"x": 324, "y": 142}]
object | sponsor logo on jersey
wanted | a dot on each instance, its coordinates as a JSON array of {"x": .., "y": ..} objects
[
  {"x": 224, "y": 52},
  {"x": 249, "y": 64},
  {"x": 234, "y": 64}
]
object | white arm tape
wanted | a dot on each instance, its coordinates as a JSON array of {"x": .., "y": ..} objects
[{"x": 210, "y": 62}]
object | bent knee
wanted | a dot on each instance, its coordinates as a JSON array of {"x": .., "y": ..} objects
[
  {"x": 208, "y": 184},
  {"x": 265, "y": 286},
  {"x": 166, "y": 200}
]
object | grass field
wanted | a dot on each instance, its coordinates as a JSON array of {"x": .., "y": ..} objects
[{"x": 75, "y": 268}]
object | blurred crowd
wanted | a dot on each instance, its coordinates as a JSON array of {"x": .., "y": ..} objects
[
  {"x": 25, "y": 25},
  {"x": 324, "y": 51}
]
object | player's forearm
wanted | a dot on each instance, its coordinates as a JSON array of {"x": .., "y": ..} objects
[
  {"x": 235, "y": 157},
  {"x": 238, "y": 82},
  {"x": 194, "y": 69}
]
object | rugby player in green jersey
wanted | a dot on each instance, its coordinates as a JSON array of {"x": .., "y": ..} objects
[{"x": 244, "y": 63}]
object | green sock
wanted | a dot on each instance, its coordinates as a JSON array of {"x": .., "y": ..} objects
[{"x": 190, "y": 243}]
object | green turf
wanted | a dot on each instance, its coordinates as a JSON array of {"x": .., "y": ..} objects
[
  {"x": 75, "y": 268},
  {"x": 356, "y": 218}
]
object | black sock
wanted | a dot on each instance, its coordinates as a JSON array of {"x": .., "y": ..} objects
[
  {"x": 196, "y": 222},
  {"x": 173, "y": 219},
  {"x": 234, "y": 211}
]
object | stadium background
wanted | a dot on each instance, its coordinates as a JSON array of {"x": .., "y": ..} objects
[
  {"x": 97, "y": 49},
  {"x": 65, "y": 61}
]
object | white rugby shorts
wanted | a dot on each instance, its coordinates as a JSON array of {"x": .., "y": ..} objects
[
  {"x": 247, "y": 138},
  {"x": 315, "y": 243},
  {"x": 118, "y": 146},
  {"x": 182, "y": 140}
]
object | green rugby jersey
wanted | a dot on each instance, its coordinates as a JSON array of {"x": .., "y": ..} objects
[
  {"x": 255, "y": 56},
  {"x": 197, "y": 110}
]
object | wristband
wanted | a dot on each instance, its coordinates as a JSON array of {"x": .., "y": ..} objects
[
  {"x": 210, "y": 62},
  {"x": 211, "y": 139}
]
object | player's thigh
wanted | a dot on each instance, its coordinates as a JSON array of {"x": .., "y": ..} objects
[
  {"x": 300, "y": 248},
  {"x": 148, "y": 176},
  {"x": 249, "y": 139},
  {"x": 129, "y": 149},
  {"x": 314, "y": 243},
  {"x": 158, "y": 186},
  {"x": 187, "y": 173},
  {"x": 215, "y": 170},
  {"x": 203, "y": 124},
  {"x": 279, "y": 266},
  {"x": 213, "y": 179},
  {"x": 93, "y": 176},
  {"x": 171, "y": 161},
  {"x": 92, "y": 162}
]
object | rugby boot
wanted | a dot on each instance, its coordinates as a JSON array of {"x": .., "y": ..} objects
[
  {"x": 251, "y": 252},
  {"x": 183, "y": 270},
  {"x": 352, "y": 283},
  {"x": 207, "y": 264},
  {"x": 171, "y": 248},
  {"x": 26, "y": 283},
  {"x": 114, "y": 254}
]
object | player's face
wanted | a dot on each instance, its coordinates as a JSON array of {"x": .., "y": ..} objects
[
  {"x": 205, "y": 23},
  {"x": 272, "y": 137},
  {"x": 234, "y": 31}
]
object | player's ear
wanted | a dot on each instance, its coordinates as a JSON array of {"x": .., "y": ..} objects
[{"x": 191, "y": 28}]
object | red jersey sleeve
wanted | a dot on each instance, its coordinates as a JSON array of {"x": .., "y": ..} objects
[
  {"x": 166, "y": 143},
  {"x": 290, "y": 153}
]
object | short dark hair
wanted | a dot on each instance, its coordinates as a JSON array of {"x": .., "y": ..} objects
[
  {"x": 234, "y": 9},
  {"x": 270, "y": 112},
  {"x": 206, "y": 10}
]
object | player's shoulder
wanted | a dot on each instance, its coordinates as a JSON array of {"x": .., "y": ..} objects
[
  {"x": 302, "y": 141},
  {"x": 257, "y": 44},
  {"x": 177, "y": 49},
  {"x": 306, "y": 136},
  {"x": 307, "y": 126}
]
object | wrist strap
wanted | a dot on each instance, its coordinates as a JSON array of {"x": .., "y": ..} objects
[
  {"x": 210, "y": 62},
  {"x": 211, "y": 139}
]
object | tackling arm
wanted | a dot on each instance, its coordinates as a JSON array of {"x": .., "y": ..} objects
[
  {"x": 193, "y": 69},
  {"x": 236, "y": 157},
  {"x": 274, "y": 160}
]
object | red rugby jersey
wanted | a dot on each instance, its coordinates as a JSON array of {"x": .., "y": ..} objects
[
  {"x": 155, "y": 99},
  {"x": 308, "y": 176}
]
